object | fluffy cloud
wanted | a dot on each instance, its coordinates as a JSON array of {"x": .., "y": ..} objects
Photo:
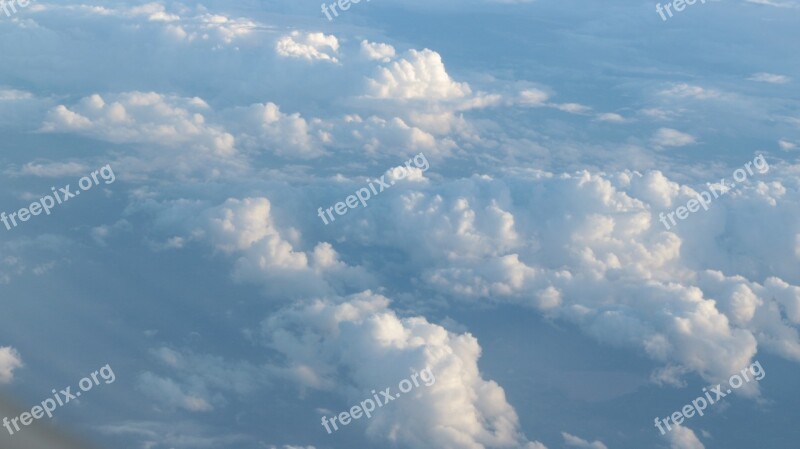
[
  {"x": 362, "y": 338},
  {"x": 377, "y": 51},
  {"x": 310, "y": 46},
  {"x": 9, "y": 361},
  {"x": 421, "y": 75},
  {"x": 684, "y": 438},
  {"x": 246, "y": 229},
  {"x": 601, "y": 260},
  {"x": 152, "y": 119},
  {"x": 263, "y": 126}
]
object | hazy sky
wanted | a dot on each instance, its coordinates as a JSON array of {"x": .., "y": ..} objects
[{"x": 539, "y": 222}]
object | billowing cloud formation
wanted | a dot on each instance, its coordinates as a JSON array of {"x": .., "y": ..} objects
[
  {"x": 421, "y": 75},
  {"x": 264, "y": 126},
  {"x": 589, "y": 249},
  {"x": 9, "y": 361},
  {"x": 358, "y": 344},
  {"x": 310, "y": 46},
  {"x": 184, "y": 25},
  {"x": 245, "y": 228},
  {"x": 150, "y": 119},
  {"x": 377, "y": 51}
]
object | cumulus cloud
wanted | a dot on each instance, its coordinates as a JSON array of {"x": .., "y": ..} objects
[
  {"x": 377, "y": 51},
  {"x": 186, "y": 24},
  {"x": 573, "y": 441},
  {"x": 149, "y": 118},
  {"x": 683, "y": 438},
  {"x": 10, "y": 360},
  {"x": 310, "y": 46},
  {"x": 602, "y": 261},
  {"x": 245, "y": 229},
  {"x": 361, "y": 337},
  {"x": 421, "y": 75},
  {"x": 263, "y": 126}
]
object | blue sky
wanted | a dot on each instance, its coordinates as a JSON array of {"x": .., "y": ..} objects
[{"x": 527, "y": 265}]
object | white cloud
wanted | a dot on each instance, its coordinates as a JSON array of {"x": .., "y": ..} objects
[
  {"x": 377, "y": 51},
  {"x": 264, "y": 126},
  {"x": 573, "y": 441},
  {"x": 14, "y": 95},
  {"x": 683, "y": 438},
  {"x": 769, "y": 78},
  {"x": 54, "y": 169},
  {"x": 10, "y": 360},
  {"x": 533, "y": 97},
  {"x": 786, "y": 145},
  {"x": 668, "y": 137},
  {"x": 611, "y": 117},
  {"x": 246, "y": 229},
  {"x": 683, "y": 90},
  {"x": 146, "y": 117},
  {"x": 355, "y": 344},
  {"x": 572, "y": 108},
  {"x": 421, "y": 75},
  {"x": 310, "y": 46}
]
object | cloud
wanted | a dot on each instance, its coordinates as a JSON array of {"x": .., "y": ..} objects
[
  {"x": 152, "y": 119},
  {"x": 611, "y": 117},
  {"x": 310, "y": 46},
  {"x": 263, "y": 126},
  {"x": 10, "y": 360},
  {"x": 769, "y": 78},
  {"x": 668, "y": 137},
  {"x": 245, "y": 229},
  {"x": 683, "y": 90},
  {"x": 356, "y": 344},
  {"x": 53, "y": 169},
  {"x": 786, "y": 145},
  {"x": 602, "y": 246},
  {"x": 683, "y": 438},
  {"x": 572, "y": 108},
  {"x": 377, "y": 51},
  {"x": 533, "y": 97},
  {"x": 421, "y": 75},
  {"x": 170, "y": 394},
  {"x": 573, "y": 441}
]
